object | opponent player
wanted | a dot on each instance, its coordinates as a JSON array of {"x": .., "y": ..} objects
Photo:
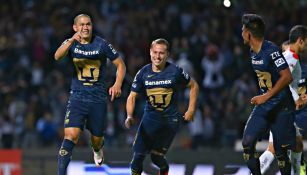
[
  {"x": 297, "y": 43},
  {"x": 274, "y": 107},
  {"x": 159, "y": 81},
  {"x": 87, "y": 103}
]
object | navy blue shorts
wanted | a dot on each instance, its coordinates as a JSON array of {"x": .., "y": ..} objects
[
  {"x": 301, "y": 120},
  {"x": 91, "y": 115},
  {"x": 279, "y": 120},
  {"x": 154, "y": 135}
]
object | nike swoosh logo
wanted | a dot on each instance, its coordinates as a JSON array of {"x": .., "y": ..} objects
[
  {"x": 284, "y": 146},
  {"x": 148, "y": 76}
]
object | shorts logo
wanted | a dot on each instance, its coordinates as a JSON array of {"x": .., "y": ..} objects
[
  {"x": 66, "y": 121},
  {"x": 67, "y": 117},
  {"x": 285, "y": 146},
  {"x": 279, "y": 62}
]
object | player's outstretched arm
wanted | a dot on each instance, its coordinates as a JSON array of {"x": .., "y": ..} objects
[
  {"x": 115, "y": 90},
  {"x": 284, "y": 80},
  {"x": 194, "y": 89},
  {"x": 130, "y": 109},
  {"x": 62, "y": 51}
]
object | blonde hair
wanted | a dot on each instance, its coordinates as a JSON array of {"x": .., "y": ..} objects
[
  {"x": 160, "y": 41},
  {"x": 81, "y": 15}
]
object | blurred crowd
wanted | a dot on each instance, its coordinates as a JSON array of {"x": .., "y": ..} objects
[{"x": 205, "y": 40}]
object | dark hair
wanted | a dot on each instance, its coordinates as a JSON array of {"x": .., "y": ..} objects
[
  {"x": 298, "y": 31},
  {"x": 254, "y": 24},
  {"x": 287, "y": 42},
  {"x": 160, "y": 41}
]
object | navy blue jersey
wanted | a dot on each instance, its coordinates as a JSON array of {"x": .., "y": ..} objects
[
  {"x": 160, "y": 88},
  {"x": 303, "y": 81},
  {"x": 267, "y": 64},
  {"x": 301, "y": 115},
  {"x": 89, "y": 60},
  {"x": 302, "y": 85}
]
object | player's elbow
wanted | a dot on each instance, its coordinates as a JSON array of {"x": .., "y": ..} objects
[
  {"x": 121, "y": 65},
  {"x": 194, "y": 86},
  {"x": 58, "y": 55}
]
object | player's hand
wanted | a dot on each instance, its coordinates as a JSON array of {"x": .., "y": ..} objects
[
  {"x": 77, "y": 37},
  {"x": 304, "y": 98},
  {"x": 115, "y": 91},
  {"x": 260, "y": 99},
  {"x": 189, "y": 116},
  {"x": 129, "y": 122},
  {"x": 299, "y": 104}
]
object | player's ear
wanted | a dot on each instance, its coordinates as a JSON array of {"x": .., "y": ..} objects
[{"x": 75, "y": 28}]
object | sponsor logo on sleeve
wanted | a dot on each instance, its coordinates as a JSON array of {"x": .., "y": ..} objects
[
  {"x": 186, "y": 75},
  {"x": 279, "y": 62}
]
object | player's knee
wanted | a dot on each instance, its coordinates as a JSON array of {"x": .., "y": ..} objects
[
  {"x": 97, "y": 142},
  {"x": 137, "y": 163},
  {"x": 159, "y": 160},
  {"x": 247, "y": 142},
  {"x": 72, "y": 134}
]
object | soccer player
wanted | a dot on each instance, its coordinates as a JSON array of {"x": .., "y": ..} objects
[
  {"x": 297, "y": 43},
  {"x": 274, "y": 106},
  {"x": 301, "y": 119},
  {"x": 160, "y": 82},
  {"x": 88, "y": 96}
]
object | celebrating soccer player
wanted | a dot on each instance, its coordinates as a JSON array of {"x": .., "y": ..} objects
[
  {"x": 160, "y": 82},
  {"x": 87, "y": 103}
]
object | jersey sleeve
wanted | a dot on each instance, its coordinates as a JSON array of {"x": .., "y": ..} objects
[
  {"x": 109, "y": 51},
  {"x": 184, "y": 77},
  {"x": 137, "y": 84},
  {"x": 292, "y": 62},
  {"x": 278, "y": 59}
]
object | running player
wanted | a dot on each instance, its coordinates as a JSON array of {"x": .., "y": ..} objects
[
  {"x": 88, "y": 97},
  {"x": 160, "y": 82}
]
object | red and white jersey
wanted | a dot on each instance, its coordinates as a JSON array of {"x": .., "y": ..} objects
[{"x": 293, "y": 61}]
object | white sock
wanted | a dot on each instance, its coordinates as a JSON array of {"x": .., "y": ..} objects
[
  {"x": 296, "y": 162},
  {"x": 266, "y": 159}
]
